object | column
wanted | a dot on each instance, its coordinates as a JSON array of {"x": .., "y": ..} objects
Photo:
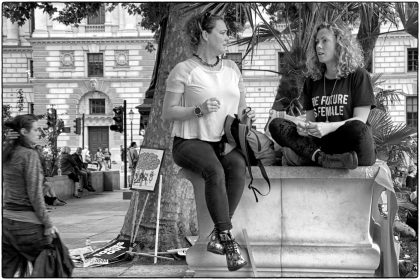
[
  {"x": 12, "y": 35},
  {"x": 40, "y": 24}
]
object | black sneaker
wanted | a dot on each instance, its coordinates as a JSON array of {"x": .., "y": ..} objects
[{"x": 234, "y": 258}]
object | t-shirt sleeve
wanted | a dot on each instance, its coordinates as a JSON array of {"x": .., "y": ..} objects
[
  {"x": 177, "y": 79},
  {"x": 362, "y": 90},
  {"x": 306, "y": 92}
]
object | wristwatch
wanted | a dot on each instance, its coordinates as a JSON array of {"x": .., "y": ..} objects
[{"x": 197, "y": 111}]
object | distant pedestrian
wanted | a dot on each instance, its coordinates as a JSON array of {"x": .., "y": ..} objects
[
  {"x": 27, "y": 227},
  {"x": 107, "y": 159},
  {"x": 84, "y": 173},
  {"x": 133, "y": 157},
  {"x": 70, "y": 168},
  {"x": 122, "y": 152},
  {"x": 99, "y": 158}
]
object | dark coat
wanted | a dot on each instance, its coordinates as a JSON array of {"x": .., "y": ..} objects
[
  {"x": 69, "y": 165},
  {"x": 79, "y": 160}
]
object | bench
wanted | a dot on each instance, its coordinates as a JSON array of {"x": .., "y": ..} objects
[
  {"x": 101, "y": 181},
  {"x": 316, "y": 222}
]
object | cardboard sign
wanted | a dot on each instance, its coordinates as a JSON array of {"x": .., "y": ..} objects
[
  {"x": 147, "y": 169},
  {"x": 110, "y": 252}
]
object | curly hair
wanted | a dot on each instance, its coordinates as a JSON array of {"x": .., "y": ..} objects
[
  {"x": 347, "y": 51},
  {"x": 196, "y": 24}
]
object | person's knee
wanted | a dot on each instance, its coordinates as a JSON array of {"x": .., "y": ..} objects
[
  {"x": 276, "y": 125},
  {"x": 237, "y": 161},
  {"x": 213, "y": 173},
  {"x": 364, "y": 144},
  {"x": 356, "y": 128}
]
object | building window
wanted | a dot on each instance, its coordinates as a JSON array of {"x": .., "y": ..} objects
[
  {"x": 30, "y": 70},
  {"x": 412, "y": 58},
  {"x": 99, "y": 18},
  {"x": 96, "y": 106},
  {"x": 95, "y": 65},
  {"x": 412, "y": 111},
  {"x": 282, "y": 63},
  {"x": 236, "y": 57}
]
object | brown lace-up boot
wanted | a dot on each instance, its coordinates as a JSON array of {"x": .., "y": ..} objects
[
  {"x": 234, "y": 258},
  {"x": 341, "y": 161},
  {"x": 214, "y": 244}
]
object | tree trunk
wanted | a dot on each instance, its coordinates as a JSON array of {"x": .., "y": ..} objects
[
  {"x": 178, "y": 214},
  {"x": 368, "y": 34}
]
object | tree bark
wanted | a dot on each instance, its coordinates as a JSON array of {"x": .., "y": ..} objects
[
  {"x": 178, "y": 214},
  {"x": 367, "y": 35}
]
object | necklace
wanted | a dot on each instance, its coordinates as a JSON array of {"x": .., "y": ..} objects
[
  {"x": 325, "y": 94},
  {"x": 206, "y": 63}
]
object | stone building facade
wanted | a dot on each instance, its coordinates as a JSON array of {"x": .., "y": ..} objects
[
  {"x": 87, "y": 70},
  {"x": 92, "y": 68}
]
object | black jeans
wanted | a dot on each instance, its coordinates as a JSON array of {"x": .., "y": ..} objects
[
  {"x": 352, "y": 136},
  {"x": 21, "y": 242},
  {"x": 224, "y": 176}
]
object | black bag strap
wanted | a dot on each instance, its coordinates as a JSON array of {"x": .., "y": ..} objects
[{"x": 243, "y": 132}]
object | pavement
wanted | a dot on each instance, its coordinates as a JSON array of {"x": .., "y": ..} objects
[{"x": 100, "y": 217}]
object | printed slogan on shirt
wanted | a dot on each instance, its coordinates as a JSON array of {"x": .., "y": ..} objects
[{"x": 328, "y": 106}]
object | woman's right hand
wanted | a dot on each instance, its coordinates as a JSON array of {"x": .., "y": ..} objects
[
  {"x": 302, "y": 128},
  {"x": 210, "y": 105},
  {"x": 51, "y": 231}
]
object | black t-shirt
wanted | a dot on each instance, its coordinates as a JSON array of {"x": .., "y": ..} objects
[{"x": 337, "y": 102}]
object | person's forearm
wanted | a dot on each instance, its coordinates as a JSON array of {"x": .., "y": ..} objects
[{"x": 179, "y": 113}]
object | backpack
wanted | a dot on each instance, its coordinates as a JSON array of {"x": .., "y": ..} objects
[{"x": 256, "y": 147}]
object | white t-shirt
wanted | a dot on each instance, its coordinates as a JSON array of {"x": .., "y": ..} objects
[{"x": 197, "y": 84}]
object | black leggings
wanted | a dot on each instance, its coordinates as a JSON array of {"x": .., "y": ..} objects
[
  {"x": 224, "y": 176},
  {"x": 352, "y": 136}
]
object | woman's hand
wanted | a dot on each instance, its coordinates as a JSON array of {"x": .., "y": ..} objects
[
  {"x": 320, "y": 129},
  {"x": 51, "y": 231},
  {"x": 248, "y": 113},
  {"x": 302, "y": 128},
  {"x": 210, "y": 105}
]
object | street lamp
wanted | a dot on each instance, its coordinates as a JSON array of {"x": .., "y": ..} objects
[{"x": 131, "y": 115}]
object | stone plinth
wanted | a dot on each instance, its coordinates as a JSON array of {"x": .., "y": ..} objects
[
  {"x": 111, "y": 180},
  {"x": 315, "y": 222}
]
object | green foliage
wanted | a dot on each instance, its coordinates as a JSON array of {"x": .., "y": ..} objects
[
  {"x": 6, "y": 115},
  {"x": 49, "y": 137},
  {"x": 20, "y": 12},
  {"x": 74, "y": 13},
  {"x": 20, "y": 100}
]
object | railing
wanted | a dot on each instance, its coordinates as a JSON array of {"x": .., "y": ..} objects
[{"x": 95, "y": 28}]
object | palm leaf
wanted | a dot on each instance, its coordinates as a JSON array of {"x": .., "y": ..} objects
[
  {"x": 408, "y": 13},
  {"x": 385, "y": 132}
]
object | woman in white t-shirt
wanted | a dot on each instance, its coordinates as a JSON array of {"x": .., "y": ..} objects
[{"x": 200, "y": 92}]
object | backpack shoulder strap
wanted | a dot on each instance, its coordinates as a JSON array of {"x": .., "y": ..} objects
[{"x": 243, "y": 131}]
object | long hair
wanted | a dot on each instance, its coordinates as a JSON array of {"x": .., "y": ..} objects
[
  {"x": 197, "y": 24},
  {"x": 347, "y": 51},
  {"x": 16, "y": 124}
]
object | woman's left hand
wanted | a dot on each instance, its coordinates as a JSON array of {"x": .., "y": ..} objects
[
  {"x": 320, "y": 129},
  {"x": 249, "y": 113}
]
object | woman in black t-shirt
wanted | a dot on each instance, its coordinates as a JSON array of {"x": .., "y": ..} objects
[{"x": 338, "y": 97}]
